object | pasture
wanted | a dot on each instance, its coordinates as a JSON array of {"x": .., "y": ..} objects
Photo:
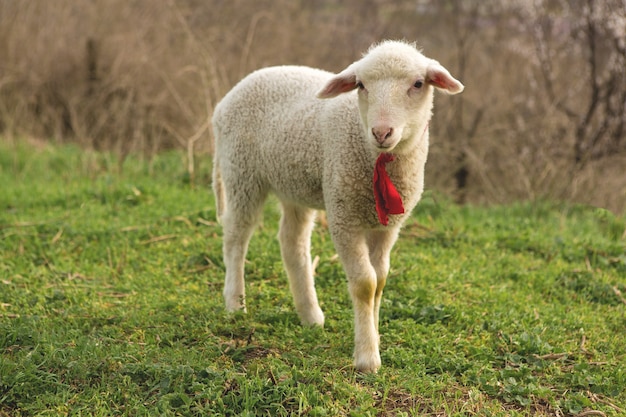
[{"x": 110, "y": 304}]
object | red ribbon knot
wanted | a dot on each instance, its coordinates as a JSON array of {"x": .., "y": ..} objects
[{"x": 388, "y": 200}]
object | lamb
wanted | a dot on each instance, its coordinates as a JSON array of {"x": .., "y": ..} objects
[{"x": 306, "y": 136}]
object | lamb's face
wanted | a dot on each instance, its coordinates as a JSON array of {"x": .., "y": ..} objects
[
  {"x": 395, "y": 89},
  {"x": 394, "y": 108}
]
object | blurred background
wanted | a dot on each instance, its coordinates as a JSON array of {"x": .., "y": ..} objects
[{"x": 542, "y": 116}]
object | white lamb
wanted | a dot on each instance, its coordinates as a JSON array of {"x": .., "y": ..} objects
[{"x": 304, "y": 135}]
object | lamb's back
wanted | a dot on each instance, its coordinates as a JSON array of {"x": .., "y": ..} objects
[{"x": 274, "y": 127}]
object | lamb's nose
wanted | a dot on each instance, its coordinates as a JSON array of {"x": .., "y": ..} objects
[{"x": 382, "y": 133}]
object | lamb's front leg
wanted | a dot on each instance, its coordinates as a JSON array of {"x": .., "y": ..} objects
[
  {"x": 362, "y": 283},
  {"x": 380, "y": 243}
]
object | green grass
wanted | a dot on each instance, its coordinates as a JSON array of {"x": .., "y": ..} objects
[{"x": 110, "y": 304}]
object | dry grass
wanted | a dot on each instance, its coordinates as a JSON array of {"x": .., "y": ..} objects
[{"x": 542, "y": 115}]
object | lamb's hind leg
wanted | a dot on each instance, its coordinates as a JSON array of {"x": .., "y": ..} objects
[
  {"x": 295, "y": 244},
  {"x": 238, "y": 223}
]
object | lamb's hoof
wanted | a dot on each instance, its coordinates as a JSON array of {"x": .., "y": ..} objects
[
  {"x": 368, "y": 366},
  {"x": 313, "y": 318},
  {"x": 235, "y": 306}
]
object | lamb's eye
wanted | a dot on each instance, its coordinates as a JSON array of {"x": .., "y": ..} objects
[
  {"x": 418, "y": 84},
  {"x": 360, "y": 85}
]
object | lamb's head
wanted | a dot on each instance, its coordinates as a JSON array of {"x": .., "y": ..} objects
[{"x": 395, "y": 92}]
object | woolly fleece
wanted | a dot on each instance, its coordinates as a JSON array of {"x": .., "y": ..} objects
[{"x": 312, "y": 138}]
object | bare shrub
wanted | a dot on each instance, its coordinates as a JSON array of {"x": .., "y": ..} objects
[
  {"x": 542, "y": 115},
  {"x": 117, "y": 75}
]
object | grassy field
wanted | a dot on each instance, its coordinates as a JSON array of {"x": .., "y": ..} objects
[{"x": 110, "y": 304}]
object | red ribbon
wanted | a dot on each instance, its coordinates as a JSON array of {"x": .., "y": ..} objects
[{"x": 388, "y": 200}]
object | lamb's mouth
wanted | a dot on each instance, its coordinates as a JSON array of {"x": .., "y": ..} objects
[{"x": 387, "y": 145}]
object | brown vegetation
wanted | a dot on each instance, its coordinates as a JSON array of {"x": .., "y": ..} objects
[{"x": 543, "y": 114}]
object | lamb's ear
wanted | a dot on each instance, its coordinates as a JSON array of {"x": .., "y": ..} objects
[
  {"x": 439, "y": 77},
  {"x": 341, "y": 83}
]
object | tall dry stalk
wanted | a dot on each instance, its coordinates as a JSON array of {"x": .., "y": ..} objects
[{"x": 542, "y": 115}]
